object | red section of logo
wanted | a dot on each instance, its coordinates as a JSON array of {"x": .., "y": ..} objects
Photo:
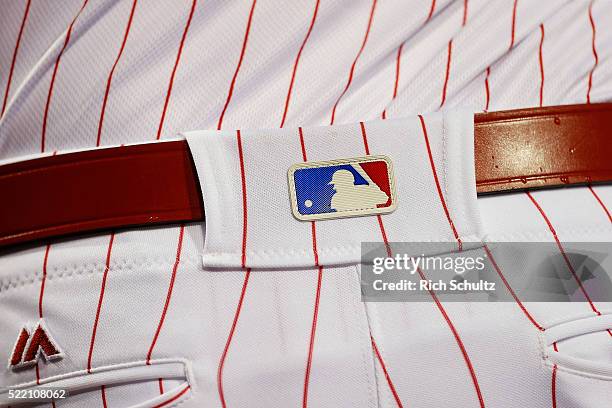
[
  {"x": 29, "y": 348},
  {"x": 379, "y": 173},
  {"x": 22, "y": 340}
]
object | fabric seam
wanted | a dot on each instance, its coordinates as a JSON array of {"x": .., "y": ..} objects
[
  {"x": 72, "y": 271},
  {"x": 365, "y": 351},
  {"x": 112, "y": 367}
]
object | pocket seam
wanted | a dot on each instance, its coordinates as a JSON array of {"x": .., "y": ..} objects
[
  {"x": 572, "y": 365},
  {"x": 112, "y": 367}
]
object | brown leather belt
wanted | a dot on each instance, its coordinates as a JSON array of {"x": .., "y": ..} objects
[
  {"x": 99, "y": 189},
  {"x": 543, "y": 147},
  {"x": 157, "y": 183}
]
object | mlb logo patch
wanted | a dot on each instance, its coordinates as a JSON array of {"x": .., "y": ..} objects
[{"x": 342, "y": 188}]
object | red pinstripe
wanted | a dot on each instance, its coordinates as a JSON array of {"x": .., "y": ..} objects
[
  {"x": 380, "y": 221},
  {"x": 513, "y": 25},
  {"x": 465, "y": 12},
  {"x": 365, "y": 138},
  {"x": 352, "y": 71},
  {"x": 487, "y": 89},
  {"x": 588, "y": 96},
  {"x": 446, "y": 75},
  {"x": 302, "y": 145},
  {"x": 242, "y": 52},
  {"x": 168, "y": 295},
  {"x": 435, "y": 175},
  {"x": 431, "y": 292},
  {"x": 390, "y": 254},
  {"x": 431, "y": 10},
  {"x": 171, "y": 400},
  {"x": 313, "y": 331},
  {"x": 601, "y": 203},
  {"x": 246, "y": 275},
  {"x": 562, "y": 250},
  {"x": 42, "y": 283},
  {"x": 15, "y": 51},
  {"x": 112, "y": 71},
  {"x": 315, "y": 313},
  {"x": 314, "y": 243},
  {"x": 384, "y": 235},
  {"x": 516, "y": 299},
  {"x": 458, "y": 340},
  {"x": 397, "y": 75},
  {"x": 100, "y": 299},
  {"x": 160, "y": 383},
  {"x": 553, "y": 387},
  {"x": 40, "y": 299},
  {"x": 244, "y": 198},
  {"x": 56, "y": 66},
  {"x": 297, "y": 61},
  {"x": 397, "y": 69},
  {"x": 541, "y": 64},
  {"x": 103, "y": 391},
  {"x": 176, "y": 63},
  {"x": 398, "y": 401},
  {"x": 230, "y": 336}
]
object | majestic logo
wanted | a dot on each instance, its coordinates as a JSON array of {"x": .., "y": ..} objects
[
  {"x": 32, "y": 343},
  {"x": 342, "y": 188}
]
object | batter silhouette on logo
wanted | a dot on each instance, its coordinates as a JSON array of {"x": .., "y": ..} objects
[{"x": 349, "y": 196}]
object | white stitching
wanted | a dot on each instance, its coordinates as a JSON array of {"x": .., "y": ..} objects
[
  {"x": 289, "y": 252},
  {"x": 73, "y": 270}
]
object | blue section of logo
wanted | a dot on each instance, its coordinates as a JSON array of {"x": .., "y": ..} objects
[{"x": 313, "y": 191}]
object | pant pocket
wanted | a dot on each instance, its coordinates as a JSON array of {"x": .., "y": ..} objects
[{"x": 132, "y": 385}]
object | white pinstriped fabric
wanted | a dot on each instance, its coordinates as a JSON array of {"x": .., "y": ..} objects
[{"x": 255, "y": 326}]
